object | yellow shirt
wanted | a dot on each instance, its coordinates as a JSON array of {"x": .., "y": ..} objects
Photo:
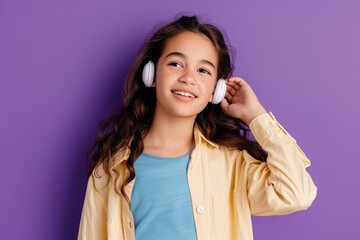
[{"x": 227, "y": 186}]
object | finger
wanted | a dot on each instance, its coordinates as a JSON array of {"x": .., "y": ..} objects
[
  {"x": 241, "y": 84},
  {"x": 237, "y": 79},
  {"x": 228, "y": 96},
  {"x": 234, "y": 85},
  {"x": 231, "y": 90}
]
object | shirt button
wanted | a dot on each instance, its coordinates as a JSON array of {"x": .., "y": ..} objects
[{"x": 199, "y": 209}]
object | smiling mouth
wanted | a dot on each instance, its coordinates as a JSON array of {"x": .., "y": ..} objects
[{"x": 185, "y": 94}]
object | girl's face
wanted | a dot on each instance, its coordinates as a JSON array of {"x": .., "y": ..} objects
[{"x": 186, "y": 75}]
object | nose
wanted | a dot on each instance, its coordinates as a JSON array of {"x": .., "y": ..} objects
[{"x": 187, "y": 77}]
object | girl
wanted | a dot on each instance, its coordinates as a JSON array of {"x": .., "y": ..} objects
[{"x": 176, "y": 161}]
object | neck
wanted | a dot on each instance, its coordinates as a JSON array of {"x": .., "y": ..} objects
[{"x": 169, "y": 136}]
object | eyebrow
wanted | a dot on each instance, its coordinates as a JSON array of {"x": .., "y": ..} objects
[{"x": 181, "y": 55}]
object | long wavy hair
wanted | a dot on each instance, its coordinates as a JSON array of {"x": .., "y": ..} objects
[{"x": 127, "y": 126}]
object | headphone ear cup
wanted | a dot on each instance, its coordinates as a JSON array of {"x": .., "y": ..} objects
[
  {"x": 148, "y": 74},
  {"x": 220, "y": 91}
]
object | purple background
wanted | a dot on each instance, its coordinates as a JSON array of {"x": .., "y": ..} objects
[{"x": 61, "y": 70}]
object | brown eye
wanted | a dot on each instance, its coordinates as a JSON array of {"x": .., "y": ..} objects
[
  {"x": 202, "y": 70},
  {"x": 175, "y": 64}
]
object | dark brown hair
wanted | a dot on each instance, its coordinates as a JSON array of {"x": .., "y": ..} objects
[{"x": 127, "y": 126}]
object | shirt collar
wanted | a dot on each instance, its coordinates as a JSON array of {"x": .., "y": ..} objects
[
  {"x": 123, "y": 155},
  {"x": 199, "y": 137}
]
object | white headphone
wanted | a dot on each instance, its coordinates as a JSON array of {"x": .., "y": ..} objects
[{"x": 148, "y": 79}]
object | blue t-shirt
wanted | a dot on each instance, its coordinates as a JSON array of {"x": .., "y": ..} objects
[{"x": 160, "y": 201}]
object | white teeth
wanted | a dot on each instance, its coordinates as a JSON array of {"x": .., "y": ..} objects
[{"x": 186, "y": 94}]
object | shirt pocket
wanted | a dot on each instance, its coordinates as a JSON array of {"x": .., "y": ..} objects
[{"x": 221, "y": 208}]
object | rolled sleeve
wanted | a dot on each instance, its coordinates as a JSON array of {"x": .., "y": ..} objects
[{"x": 281, "y": 185}]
